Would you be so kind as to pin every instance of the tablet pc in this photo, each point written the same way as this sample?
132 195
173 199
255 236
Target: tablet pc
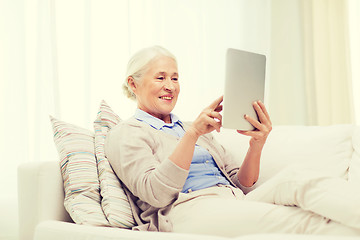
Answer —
244 84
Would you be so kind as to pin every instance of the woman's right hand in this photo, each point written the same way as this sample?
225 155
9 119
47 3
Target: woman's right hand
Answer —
209 119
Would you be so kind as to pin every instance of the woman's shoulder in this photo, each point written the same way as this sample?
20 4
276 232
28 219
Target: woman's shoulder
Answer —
130 131
131 127
130 124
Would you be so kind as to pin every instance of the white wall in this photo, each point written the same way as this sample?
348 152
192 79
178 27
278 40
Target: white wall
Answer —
287 90
354 27
13 117
198 33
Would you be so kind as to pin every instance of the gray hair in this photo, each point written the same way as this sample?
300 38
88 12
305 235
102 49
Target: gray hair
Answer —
138 64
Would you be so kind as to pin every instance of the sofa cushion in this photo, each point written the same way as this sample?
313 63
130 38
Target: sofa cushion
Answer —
314 191
114 200
326 148
79 172
354 169
56 230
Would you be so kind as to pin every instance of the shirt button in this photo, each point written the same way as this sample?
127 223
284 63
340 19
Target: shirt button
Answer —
207 161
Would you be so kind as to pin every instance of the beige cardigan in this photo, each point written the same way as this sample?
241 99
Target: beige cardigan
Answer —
139 155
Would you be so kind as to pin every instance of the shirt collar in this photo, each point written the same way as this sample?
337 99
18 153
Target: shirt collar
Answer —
155 122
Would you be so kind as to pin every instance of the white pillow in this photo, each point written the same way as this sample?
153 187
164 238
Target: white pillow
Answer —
78 168
354 169
334 198
114 201
327 148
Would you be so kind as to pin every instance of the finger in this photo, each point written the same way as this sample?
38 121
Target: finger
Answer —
263 107
242 132
254 122
211 120
216 103
216 115
211 124
253 134
215 121
247 133
219 108
215 124
261 115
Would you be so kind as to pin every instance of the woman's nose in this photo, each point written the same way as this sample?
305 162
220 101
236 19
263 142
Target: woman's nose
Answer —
169 85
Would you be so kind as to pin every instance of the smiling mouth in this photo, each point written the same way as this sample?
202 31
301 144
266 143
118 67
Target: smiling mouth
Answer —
166 98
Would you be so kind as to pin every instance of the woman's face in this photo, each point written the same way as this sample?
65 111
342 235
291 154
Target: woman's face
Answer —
158 91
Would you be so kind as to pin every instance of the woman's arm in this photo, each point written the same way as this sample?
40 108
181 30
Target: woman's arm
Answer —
208 120
142 164
249 171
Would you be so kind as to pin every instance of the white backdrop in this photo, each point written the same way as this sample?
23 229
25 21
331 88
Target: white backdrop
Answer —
354 31
96 41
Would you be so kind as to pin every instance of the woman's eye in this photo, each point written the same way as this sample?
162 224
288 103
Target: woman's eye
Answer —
160 78
174 79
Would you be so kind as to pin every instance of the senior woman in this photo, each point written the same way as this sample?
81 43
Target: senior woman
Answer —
177 177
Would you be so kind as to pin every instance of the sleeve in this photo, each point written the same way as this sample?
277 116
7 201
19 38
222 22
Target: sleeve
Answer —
230 165
232 168
151 177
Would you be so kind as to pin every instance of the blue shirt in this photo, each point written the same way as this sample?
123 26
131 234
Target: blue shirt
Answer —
203 171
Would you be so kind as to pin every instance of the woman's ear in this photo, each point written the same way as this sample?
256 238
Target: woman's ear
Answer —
132 84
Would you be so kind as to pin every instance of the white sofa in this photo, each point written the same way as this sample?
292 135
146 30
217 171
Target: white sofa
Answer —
335 148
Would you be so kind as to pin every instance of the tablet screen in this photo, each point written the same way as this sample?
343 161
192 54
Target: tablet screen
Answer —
244 84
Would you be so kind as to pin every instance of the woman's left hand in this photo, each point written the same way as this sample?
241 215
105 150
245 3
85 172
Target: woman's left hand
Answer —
263 125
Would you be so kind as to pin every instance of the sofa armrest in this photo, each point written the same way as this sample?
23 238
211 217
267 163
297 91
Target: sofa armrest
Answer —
41 196
56 230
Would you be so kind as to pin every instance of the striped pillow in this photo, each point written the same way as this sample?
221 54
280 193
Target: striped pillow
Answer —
114 201
78 169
